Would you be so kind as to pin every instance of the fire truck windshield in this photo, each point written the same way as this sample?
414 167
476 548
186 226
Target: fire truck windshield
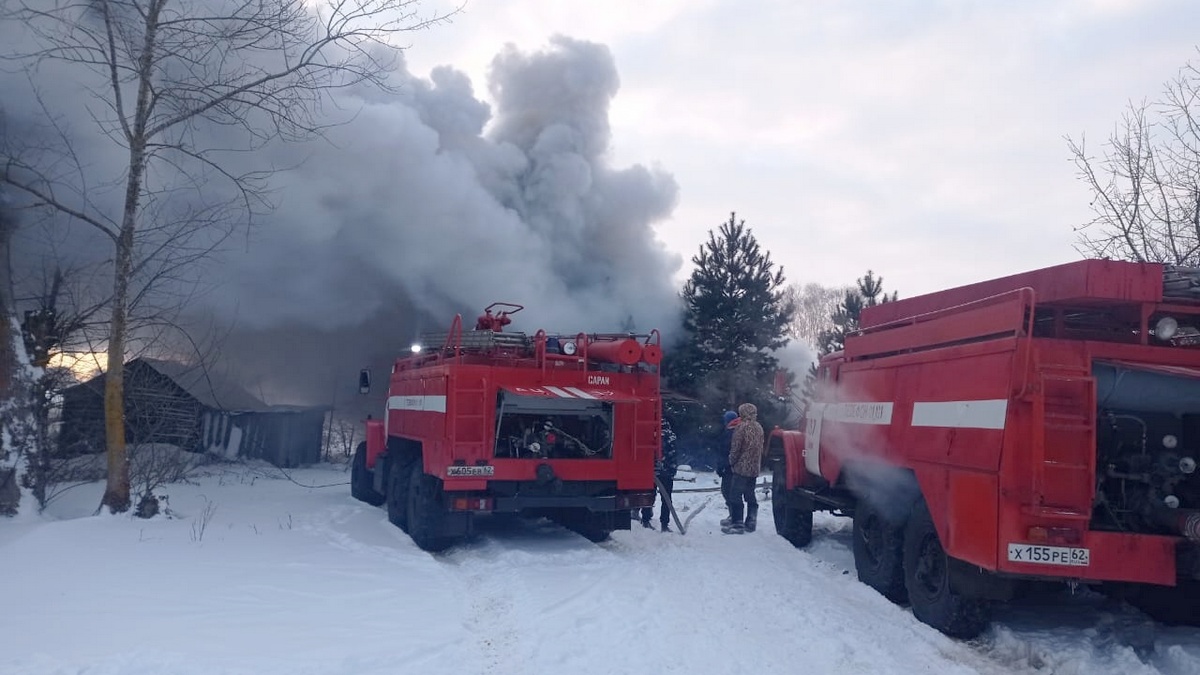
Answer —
538 427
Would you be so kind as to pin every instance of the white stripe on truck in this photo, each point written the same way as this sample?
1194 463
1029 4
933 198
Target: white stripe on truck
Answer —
987 414
875 412
983 414
423 403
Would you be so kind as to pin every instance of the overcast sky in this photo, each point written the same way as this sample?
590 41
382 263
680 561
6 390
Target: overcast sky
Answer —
921 139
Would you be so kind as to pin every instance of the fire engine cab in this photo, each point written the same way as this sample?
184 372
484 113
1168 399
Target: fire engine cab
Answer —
1040 427
485 421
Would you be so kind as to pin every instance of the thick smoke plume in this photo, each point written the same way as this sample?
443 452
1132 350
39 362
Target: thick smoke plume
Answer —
427 203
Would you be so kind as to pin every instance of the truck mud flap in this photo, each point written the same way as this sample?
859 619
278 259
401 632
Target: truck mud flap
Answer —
976 582
457 524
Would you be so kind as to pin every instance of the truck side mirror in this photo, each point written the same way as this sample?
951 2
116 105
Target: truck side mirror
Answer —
364 381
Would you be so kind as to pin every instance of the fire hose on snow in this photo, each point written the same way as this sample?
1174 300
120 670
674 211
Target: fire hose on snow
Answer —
666 497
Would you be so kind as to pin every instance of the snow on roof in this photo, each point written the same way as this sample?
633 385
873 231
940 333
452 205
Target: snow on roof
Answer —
208 386
211 388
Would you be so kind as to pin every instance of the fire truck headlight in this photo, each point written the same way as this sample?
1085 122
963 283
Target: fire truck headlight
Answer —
1166 328
1170 441
568 348
416 348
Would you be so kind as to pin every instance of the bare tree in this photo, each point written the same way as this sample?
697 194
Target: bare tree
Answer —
341 436
16 415
1146 183
183 86
814 304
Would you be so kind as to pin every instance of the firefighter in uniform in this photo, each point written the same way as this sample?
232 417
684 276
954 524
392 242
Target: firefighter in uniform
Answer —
664 471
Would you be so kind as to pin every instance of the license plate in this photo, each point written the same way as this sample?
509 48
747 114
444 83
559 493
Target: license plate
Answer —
1049 555
459 470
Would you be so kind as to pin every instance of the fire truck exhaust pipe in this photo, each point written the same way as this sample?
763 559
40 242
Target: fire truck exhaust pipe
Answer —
1189 525
1184 522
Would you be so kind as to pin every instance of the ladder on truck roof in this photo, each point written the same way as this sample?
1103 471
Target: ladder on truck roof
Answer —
476 341
620 352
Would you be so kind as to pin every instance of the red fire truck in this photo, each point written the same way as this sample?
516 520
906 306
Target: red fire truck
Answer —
1039 427
487 421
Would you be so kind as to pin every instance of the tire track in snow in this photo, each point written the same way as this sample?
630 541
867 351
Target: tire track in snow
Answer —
491 621
1057 634
534 586
528 591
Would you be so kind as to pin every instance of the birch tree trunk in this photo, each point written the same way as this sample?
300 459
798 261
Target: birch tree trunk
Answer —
262 67
116 491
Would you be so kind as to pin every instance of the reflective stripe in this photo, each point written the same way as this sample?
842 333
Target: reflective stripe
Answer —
558 392
579 392
422 403
873 412
986 414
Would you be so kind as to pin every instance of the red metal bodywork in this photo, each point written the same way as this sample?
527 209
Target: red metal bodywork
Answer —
986 394
446 401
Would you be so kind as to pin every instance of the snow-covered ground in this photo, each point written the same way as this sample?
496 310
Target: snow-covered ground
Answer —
257 574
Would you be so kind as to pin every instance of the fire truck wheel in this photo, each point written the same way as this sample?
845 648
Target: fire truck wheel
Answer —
397 493
927 577
425 512
793 514
360 478
879 552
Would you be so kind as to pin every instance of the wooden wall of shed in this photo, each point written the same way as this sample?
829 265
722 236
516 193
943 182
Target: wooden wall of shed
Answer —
156 411
284 438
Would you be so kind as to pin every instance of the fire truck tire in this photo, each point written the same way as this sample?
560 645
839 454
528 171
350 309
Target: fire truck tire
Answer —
397 493
793 514
927 578
425 512
879 552
360 478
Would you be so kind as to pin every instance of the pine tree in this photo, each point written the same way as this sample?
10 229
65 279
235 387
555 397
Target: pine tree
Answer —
868 292
736 315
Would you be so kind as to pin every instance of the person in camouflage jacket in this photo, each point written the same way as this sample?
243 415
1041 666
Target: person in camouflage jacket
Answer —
745 462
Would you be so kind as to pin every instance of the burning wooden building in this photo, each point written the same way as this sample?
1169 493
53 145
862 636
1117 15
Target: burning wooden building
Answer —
194 409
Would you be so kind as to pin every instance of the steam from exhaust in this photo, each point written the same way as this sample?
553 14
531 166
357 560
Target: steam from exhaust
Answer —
425 204
860 449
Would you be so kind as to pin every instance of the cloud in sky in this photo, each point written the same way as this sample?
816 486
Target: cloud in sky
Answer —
922 139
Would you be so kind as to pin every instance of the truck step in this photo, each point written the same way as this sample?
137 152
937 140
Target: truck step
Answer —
1055 512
